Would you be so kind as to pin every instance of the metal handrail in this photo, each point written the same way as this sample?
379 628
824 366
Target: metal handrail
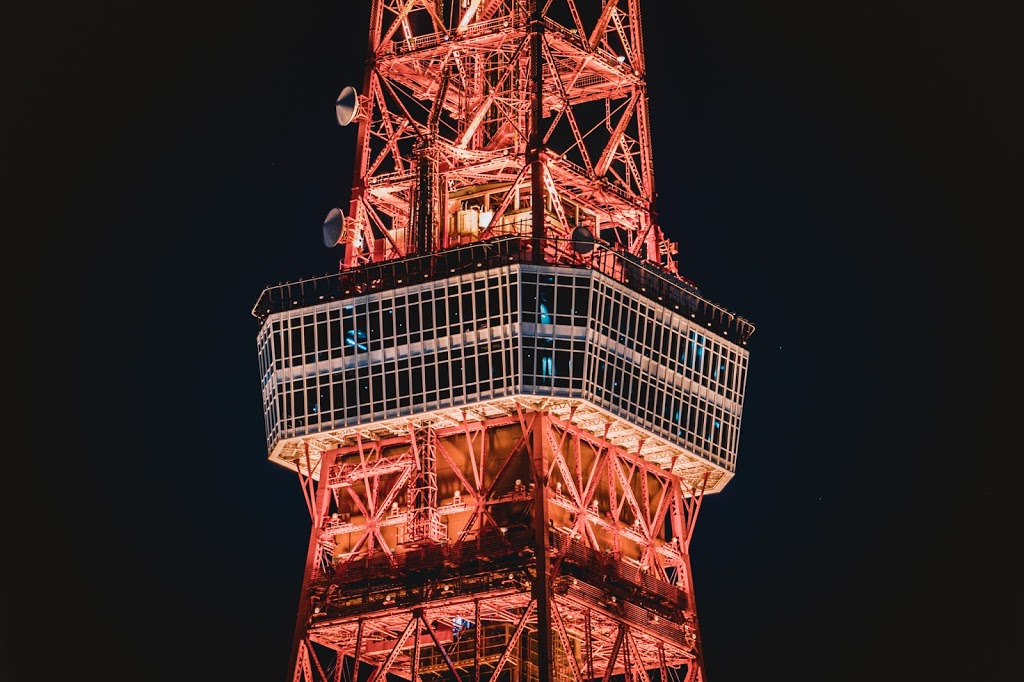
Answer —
637 274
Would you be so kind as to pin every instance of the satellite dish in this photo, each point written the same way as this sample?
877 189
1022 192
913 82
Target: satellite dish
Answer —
347 106
334 225
582 239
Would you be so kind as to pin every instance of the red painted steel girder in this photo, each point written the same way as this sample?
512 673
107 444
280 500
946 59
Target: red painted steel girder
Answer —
444 126
620 595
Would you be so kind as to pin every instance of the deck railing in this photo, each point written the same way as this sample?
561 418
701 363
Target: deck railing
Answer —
634 272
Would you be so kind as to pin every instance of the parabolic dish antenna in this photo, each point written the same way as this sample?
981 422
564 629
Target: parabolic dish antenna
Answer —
334 225
347 106
582 239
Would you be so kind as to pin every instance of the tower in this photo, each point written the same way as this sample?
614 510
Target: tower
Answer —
506 406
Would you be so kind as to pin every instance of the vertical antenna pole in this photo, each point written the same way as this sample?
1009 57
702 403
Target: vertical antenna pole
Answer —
534 152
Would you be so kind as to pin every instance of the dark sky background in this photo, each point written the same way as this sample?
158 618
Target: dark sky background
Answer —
846 175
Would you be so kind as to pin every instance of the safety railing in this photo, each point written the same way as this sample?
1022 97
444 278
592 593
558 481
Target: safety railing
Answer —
636 273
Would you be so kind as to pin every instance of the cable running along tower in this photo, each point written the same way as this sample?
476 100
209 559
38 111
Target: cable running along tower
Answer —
506 406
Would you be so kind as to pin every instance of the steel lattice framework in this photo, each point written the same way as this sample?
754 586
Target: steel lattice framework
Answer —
446 126
506 408
619 599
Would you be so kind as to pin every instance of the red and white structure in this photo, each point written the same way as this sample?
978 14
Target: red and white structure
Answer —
506 407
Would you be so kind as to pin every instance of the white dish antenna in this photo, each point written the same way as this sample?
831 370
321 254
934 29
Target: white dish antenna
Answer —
347 106
334 227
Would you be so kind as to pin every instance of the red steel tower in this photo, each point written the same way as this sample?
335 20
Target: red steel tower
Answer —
506 406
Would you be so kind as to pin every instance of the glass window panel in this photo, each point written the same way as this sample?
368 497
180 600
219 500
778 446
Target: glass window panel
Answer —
562 363
545 304
440 313
278 351
563 298
493 301
430 377
576 364
581 301
364 391
529 363
456 369
479 309
529 302
338 393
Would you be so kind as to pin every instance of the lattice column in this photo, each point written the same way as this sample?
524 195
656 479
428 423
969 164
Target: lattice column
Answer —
424 522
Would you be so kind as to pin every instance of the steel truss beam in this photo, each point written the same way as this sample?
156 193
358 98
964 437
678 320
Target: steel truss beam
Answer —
451 81
609 566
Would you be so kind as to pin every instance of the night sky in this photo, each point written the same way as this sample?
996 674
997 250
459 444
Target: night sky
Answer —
846 175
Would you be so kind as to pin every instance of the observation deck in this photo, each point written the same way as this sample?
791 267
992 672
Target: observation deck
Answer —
634 355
